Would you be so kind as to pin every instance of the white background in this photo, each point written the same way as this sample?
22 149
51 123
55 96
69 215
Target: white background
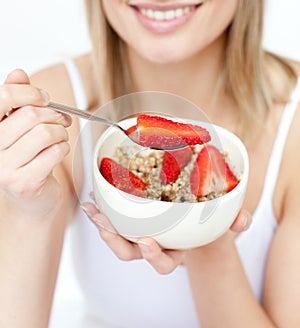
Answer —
35 33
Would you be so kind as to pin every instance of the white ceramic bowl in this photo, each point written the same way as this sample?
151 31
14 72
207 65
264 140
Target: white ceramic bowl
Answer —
172 225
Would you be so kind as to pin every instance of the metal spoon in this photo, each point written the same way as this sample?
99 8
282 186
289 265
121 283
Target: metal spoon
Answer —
92 117
84 114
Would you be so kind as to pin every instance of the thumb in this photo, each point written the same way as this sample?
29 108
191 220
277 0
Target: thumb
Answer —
17 76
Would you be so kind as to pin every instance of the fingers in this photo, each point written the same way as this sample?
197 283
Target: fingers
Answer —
163 261
17 76
29 180
242 221
34 142
13 96
123 249
46 160
28 161
17 92
90 209
24 119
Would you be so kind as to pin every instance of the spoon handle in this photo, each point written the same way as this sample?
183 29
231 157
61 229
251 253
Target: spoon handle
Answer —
80 113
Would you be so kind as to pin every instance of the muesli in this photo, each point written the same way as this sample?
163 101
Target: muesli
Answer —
194 173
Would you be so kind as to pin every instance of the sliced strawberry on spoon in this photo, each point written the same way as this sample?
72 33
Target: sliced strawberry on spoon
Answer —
211 173
161 133
122 178
173 162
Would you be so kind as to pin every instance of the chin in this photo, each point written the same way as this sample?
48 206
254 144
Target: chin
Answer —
166 58
165 55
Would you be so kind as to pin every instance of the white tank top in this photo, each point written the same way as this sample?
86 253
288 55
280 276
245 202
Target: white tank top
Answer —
131 294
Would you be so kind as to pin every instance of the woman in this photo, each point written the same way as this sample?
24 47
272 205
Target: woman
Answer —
210 53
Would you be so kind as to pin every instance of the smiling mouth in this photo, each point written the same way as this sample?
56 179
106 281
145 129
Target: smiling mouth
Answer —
165 14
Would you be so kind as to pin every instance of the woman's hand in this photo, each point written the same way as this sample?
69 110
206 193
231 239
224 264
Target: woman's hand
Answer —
33 140
163 261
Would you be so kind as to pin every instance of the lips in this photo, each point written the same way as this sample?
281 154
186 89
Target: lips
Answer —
164 18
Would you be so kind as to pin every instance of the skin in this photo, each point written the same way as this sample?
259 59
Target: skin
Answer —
37 197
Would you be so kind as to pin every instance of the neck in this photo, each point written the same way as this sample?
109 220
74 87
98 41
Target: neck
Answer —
197 78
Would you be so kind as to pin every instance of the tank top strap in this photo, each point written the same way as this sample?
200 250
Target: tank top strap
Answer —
279 144
85 139
77 84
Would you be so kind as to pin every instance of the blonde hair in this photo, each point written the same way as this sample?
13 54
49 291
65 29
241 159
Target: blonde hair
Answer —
245 78
246 63
108 54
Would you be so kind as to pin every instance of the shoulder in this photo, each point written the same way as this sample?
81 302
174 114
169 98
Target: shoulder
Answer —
291 163
294 132
282 74
55 80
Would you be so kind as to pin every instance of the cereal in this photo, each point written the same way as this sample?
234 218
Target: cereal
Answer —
147 166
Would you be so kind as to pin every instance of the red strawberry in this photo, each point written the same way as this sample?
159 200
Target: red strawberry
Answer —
122 178
211 173
173 162
161 133
132 130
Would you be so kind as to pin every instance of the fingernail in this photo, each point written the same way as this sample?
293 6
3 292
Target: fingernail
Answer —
86 210
101 224
63 119
91 195
247 219
45 96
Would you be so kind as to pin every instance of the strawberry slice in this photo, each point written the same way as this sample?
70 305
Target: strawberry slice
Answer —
173 162
161 133
211 173
122 178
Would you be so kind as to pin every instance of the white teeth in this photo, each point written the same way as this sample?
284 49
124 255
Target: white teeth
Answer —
179 12
160 15
170 14
150 13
